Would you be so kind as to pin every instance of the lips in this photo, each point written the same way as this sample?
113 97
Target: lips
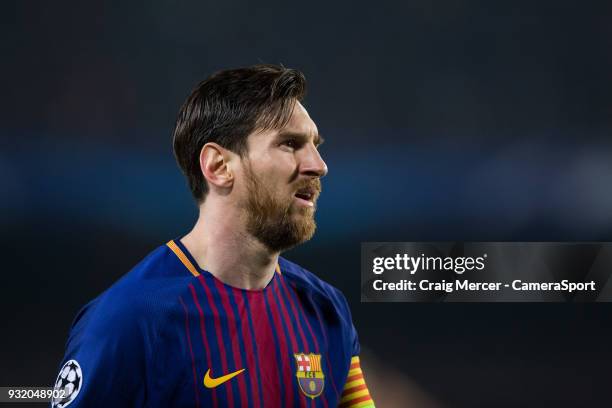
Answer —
305 194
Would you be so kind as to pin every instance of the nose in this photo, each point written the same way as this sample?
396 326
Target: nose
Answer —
312 163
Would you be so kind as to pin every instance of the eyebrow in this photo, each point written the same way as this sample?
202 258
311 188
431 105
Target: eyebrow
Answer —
318 139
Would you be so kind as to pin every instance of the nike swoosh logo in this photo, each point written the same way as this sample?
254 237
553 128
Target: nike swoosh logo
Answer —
210 382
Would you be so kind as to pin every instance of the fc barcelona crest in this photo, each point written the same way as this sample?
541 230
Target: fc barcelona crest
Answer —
309 373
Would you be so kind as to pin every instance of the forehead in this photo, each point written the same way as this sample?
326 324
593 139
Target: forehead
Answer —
299 123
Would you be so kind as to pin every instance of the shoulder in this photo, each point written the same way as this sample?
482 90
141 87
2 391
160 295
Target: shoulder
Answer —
330 301
137 302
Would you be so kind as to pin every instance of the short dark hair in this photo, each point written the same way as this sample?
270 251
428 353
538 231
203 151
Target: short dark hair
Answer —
228 106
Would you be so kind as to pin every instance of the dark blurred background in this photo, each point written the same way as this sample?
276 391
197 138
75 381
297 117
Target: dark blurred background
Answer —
443 120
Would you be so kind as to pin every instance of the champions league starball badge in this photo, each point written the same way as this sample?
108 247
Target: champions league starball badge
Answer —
310 374
69 380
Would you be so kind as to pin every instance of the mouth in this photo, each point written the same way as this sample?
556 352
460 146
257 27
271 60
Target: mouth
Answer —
305 197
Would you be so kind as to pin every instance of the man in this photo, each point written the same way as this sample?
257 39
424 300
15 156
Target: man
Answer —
218 318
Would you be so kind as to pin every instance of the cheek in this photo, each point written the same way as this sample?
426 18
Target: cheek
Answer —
241 183
281 171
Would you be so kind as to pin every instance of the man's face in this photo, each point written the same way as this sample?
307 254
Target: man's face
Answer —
281 172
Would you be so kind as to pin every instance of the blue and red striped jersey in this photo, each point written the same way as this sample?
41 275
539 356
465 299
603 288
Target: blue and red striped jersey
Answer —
169 334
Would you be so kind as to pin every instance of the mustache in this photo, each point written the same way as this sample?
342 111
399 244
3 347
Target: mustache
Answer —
314 185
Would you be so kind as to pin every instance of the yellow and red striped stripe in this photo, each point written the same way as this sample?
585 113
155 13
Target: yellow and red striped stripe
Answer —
355 393
315 362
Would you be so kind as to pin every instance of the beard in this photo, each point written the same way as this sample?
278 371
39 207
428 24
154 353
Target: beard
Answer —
273 220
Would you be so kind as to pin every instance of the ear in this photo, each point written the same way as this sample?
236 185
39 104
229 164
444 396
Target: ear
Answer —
214 161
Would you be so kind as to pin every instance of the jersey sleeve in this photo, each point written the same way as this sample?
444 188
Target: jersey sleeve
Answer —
104 363
355 393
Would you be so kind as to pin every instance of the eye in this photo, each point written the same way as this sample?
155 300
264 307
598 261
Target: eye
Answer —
290 143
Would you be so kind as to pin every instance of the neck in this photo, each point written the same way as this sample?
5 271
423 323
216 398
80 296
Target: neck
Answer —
221 245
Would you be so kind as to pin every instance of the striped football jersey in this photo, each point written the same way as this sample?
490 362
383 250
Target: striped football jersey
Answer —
169 334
